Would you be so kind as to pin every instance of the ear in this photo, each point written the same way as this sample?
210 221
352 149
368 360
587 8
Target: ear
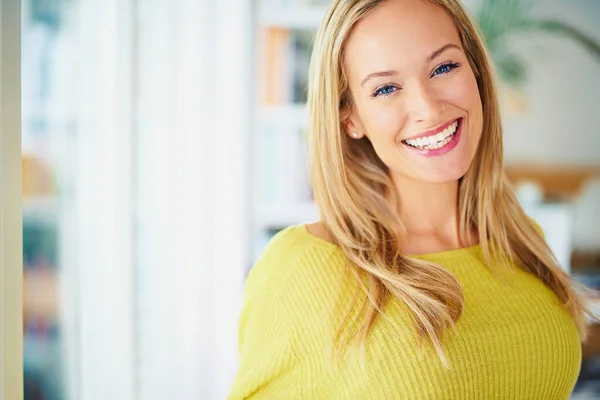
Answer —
353 126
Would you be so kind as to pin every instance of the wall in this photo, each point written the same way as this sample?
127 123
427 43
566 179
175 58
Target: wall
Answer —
559 122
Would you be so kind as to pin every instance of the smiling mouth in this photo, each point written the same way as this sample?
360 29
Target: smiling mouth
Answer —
436 141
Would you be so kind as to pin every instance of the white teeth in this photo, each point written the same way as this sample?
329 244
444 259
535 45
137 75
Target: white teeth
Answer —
436 141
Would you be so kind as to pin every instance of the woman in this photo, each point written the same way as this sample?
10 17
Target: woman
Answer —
424 278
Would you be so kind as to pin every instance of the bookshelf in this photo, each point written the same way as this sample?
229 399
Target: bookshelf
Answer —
44 119
284 34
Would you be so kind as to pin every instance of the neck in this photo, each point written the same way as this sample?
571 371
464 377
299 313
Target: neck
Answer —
429 210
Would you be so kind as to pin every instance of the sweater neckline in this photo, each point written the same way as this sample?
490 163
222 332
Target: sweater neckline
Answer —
444 254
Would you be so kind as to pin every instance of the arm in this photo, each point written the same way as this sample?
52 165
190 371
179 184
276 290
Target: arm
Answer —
269 368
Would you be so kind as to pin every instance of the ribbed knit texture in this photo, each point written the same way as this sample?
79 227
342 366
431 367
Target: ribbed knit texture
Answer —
514 340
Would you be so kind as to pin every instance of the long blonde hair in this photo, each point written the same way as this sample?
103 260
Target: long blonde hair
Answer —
352 190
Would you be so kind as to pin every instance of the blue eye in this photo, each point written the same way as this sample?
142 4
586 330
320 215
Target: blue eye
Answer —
445 68
385 90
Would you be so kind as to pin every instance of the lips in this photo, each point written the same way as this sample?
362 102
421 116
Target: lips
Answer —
435 144
434 139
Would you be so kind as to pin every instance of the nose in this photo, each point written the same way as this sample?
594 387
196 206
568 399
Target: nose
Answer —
425 105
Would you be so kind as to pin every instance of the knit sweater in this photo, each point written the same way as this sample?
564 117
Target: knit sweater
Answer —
514 339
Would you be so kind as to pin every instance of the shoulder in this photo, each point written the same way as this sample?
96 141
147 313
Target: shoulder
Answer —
301 280
292 254
299 270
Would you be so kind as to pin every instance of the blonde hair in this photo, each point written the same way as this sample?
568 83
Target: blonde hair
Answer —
352 189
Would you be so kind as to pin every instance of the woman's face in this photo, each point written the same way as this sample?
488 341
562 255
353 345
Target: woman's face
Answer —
415 95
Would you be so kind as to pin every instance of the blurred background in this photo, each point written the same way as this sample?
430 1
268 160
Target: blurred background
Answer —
163 145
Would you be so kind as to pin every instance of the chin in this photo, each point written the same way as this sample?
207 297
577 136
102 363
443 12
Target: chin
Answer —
444 174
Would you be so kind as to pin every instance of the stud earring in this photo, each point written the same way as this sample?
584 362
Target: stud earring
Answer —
355 135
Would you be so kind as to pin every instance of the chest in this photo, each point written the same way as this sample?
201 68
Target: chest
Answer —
513 341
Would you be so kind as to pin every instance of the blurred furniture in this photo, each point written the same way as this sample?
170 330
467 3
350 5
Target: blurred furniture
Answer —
561 183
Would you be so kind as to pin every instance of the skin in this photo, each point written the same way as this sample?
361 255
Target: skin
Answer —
427 83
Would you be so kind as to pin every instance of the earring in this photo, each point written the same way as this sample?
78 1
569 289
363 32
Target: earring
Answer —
355 135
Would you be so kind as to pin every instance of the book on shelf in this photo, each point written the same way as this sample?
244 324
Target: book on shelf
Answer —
284 64
38 179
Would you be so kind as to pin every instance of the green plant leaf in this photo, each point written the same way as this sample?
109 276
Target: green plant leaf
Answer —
499 19
569 31
510 68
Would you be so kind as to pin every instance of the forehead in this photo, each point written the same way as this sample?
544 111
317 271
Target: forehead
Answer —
399 32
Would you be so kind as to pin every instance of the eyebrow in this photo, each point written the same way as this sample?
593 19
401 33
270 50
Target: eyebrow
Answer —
442 49
430 58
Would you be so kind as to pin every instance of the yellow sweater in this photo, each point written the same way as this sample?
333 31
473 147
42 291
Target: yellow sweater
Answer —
514 340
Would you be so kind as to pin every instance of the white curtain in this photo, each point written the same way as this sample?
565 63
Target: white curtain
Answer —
157 243
97 242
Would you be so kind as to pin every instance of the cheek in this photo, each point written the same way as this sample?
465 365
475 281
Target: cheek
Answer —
383 122
465 94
